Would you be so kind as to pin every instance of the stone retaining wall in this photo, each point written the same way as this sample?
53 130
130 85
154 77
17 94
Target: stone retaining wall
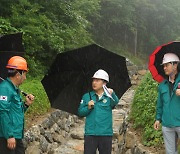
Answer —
51 133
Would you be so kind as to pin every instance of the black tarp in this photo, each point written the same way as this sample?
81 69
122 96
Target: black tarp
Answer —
10 45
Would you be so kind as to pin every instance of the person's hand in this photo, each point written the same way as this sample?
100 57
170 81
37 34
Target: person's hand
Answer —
29 99
110 90
156 124
178 92
91 104
11 143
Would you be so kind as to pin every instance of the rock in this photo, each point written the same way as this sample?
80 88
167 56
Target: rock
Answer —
76 119
52 147
67 128
33 148
128 151
47 123
56 115
122 128
35 130
78 132
79 136
64 149
48 136
115 145
121 138
77 145
42 130
133 82
135 77
61 123
70 121
64 115
58 138
43 144
55 128
128 97
130 140
29 137
64 134
142 72
128 62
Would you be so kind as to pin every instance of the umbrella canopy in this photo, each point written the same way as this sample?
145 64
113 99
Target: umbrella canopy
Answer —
10 45
70 75
155 59
11 42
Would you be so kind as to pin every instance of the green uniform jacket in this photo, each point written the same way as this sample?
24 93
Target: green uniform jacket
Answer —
98 119
168 104
11 111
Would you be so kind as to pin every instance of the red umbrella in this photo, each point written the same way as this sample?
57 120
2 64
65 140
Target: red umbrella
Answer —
155 59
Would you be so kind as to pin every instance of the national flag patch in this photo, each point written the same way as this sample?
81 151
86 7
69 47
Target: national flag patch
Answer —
3 98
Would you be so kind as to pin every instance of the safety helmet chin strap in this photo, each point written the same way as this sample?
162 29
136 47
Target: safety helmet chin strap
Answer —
1 78
21 74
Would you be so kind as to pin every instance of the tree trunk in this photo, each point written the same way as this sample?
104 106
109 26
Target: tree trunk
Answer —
135 42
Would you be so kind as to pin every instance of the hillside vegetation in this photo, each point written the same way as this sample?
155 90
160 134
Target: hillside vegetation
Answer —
143 112
51 27
41 104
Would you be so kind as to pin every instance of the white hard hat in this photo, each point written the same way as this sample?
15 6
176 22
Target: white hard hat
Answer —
101 74
170 57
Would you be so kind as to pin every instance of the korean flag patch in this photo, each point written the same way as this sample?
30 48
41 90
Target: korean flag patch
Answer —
3 98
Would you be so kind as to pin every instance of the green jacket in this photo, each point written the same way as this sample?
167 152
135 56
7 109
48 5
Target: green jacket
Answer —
99 119
168 104
11 111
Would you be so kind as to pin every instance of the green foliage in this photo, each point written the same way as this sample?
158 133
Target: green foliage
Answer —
41 103
139 60
48 27
147 22
143 111
55 26
5 27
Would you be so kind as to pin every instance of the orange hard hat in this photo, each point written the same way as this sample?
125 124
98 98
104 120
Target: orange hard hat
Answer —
17 62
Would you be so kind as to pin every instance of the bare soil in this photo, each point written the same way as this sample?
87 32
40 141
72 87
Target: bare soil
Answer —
153 149
31 120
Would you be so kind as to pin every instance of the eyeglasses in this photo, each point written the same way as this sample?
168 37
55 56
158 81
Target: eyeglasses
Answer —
167 64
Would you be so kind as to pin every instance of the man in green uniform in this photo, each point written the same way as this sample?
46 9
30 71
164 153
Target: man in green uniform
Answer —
12 107
168 104
97 107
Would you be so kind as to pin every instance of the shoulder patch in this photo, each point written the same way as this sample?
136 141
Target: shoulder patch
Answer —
81 101
3 98
104 100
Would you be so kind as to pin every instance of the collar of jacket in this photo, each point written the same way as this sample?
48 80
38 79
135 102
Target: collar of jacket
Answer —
12 85
177 80
92 93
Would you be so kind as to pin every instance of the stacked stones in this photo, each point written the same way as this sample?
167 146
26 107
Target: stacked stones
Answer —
50 133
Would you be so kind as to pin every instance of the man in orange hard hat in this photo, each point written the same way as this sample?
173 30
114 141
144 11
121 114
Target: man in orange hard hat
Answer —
12 108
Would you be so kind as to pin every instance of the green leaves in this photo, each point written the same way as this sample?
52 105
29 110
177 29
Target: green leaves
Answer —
49 27
41 103
143 111
6 27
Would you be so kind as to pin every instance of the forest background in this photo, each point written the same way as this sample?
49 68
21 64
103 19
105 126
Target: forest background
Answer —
132 28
